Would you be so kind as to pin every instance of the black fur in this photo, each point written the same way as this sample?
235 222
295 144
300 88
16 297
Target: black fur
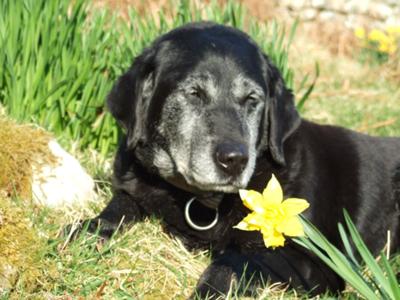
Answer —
333 168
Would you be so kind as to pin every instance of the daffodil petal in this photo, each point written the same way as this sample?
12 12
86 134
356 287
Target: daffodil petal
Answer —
294 206
360 32
249 223
257 220
254 221
273 239
245 226
252 200
291 227
273 193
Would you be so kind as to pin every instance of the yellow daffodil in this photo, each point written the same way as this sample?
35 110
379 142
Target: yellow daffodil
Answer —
377 35
393 30
272 215
382 41
360 33
388 47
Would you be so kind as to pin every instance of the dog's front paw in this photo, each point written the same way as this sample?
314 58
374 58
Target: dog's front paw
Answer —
101 227
215 283
207 292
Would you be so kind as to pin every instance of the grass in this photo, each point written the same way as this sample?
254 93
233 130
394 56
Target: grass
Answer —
357 96
116 269
369 105
143 262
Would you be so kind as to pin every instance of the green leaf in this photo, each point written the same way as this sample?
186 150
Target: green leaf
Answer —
367 256
336 260
394 284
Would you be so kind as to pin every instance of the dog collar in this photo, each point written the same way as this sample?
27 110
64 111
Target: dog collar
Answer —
192 224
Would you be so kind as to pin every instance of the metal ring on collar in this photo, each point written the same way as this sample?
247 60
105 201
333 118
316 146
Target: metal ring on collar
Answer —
195 226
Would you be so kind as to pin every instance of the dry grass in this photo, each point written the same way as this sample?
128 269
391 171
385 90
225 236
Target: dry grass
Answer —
23 147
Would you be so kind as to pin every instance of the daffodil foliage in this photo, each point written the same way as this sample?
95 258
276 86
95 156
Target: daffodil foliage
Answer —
273 216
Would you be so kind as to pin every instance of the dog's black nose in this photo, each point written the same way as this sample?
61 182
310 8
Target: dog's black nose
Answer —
231 157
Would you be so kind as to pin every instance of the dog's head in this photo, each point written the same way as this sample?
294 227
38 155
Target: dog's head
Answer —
201 104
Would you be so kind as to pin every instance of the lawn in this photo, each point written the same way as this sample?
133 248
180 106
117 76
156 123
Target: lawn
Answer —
66 92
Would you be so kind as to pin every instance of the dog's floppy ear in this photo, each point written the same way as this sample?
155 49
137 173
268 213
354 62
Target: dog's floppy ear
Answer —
281 118
129 98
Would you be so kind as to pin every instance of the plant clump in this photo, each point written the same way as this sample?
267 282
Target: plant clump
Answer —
22 148
21 249
381 44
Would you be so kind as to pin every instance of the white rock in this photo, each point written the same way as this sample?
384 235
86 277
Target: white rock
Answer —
393 2
309 14
318 3
63 184
296 4
394 20
381 10
337 5
328 16
356 6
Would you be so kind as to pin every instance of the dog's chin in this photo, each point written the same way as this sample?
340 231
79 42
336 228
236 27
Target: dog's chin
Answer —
200 188
229 189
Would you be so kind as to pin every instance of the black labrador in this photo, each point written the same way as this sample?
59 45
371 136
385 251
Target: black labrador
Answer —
206 113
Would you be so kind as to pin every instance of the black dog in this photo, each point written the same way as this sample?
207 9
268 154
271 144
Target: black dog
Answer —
205 114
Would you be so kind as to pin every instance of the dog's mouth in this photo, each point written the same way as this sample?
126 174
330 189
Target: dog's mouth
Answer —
197 187
210 195
211 200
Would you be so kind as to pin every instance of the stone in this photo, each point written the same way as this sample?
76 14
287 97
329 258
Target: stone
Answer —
327 16
357 7
393 20
336 5
309 14
353 13
296 4
63 184
392 2
381 11
319 3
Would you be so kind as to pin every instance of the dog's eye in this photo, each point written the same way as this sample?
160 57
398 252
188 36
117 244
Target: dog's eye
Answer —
198 93
195 93
251 99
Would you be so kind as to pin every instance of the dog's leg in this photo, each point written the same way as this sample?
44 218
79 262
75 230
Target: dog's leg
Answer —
121 210
288 266
215 282
228 270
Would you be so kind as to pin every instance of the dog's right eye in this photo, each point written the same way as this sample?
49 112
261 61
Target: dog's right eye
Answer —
251 100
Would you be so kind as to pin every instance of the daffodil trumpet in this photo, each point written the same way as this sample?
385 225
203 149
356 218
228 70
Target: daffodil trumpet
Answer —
274 217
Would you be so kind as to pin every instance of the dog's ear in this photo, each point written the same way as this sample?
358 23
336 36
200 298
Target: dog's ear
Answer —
129 98
281 118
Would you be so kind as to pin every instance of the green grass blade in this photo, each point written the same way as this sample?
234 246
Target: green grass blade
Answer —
336 260
306 95
367 256
393 282
347 245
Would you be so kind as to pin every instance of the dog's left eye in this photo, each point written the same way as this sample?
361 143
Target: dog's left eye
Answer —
198 94
195 93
